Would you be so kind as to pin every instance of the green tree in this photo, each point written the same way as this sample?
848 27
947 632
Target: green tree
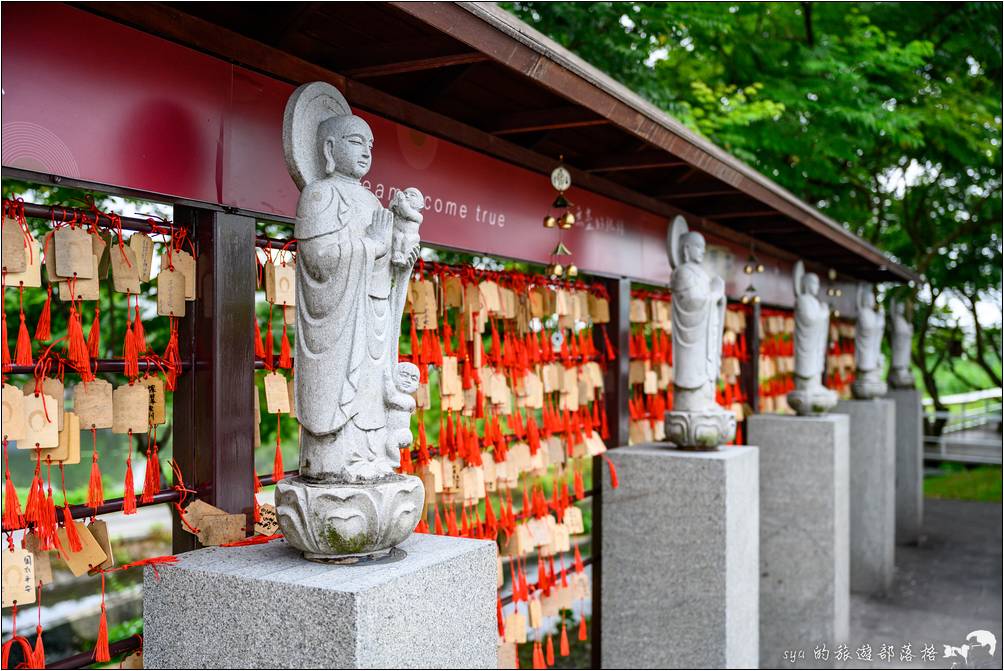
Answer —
887 116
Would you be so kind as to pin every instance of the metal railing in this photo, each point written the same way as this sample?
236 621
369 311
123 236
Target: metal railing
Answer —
969 431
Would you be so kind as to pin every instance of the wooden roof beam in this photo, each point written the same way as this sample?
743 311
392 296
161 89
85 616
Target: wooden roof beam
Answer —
741 215
677 195
416 65
529 121
642 160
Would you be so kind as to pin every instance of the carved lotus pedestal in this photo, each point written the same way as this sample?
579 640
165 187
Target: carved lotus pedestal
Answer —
700 429
334 521
811 398
869 385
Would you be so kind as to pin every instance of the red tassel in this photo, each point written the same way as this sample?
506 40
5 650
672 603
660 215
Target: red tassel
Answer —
563 648
95 488
38 654
285 357
94 336
613 472
22 354
259 349
583 633
129 354
439 523
12 517
171 356
3 335
43 330
277 469
138 332
580 489
77 349
101 653
422 527
129 495
538 656
71 531
151 479
47 529
34 506
550 650
269 345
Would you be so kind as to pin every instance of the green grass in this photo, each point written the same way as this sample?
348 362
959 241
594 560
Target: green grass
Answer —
982 483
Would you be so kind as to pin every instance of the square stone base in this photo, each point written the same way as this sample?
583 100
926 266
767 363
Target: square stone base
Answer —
264 606
804 532
679 549
873 493
909 465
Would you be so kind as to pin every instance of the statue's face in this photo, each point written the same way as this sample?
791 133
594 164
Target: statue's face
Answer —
407 377
811 284
347 146
693 248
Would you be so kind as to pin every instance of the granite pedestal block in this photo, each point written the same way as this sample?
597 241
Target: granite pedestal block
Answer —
264 606
804 532
680 535
873 493
909 465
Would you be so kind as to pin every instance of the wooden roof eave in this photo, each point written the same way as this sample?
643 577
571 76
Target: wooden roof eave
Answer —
553 66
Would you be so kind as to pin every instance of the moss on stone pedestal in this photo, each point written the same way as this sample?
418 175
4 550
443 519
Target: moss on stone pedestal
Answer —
341 545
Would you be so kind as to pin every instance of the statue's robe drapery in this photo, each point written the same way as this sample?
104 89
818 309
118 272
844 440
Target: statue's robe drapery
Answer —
902 341
812 322
698 319
868 339
348 306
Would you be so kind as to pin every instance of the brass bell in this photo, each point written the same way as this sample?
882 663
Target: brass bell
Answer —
748 269
836 313
557 270
567 220
550 222
573 270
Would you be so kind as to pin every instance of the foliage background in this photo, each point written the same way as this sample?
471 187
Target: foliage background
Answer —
885 116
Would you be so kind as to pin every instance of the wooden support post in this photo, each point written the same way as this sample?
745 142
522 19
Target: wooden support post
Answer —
751 380
213 402
615 397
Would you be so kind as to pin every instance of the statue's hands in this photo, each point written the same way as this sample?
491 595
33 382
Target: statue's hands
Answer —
383 221
380 230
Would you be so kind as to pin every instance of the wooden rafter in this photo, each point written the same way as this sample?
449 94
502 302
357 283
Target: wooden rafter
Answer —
642 160
529 121
416 65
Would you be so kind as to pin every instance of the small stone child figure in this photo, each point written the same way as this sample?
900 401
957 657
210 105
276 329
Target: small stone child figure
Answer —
399 387
407 208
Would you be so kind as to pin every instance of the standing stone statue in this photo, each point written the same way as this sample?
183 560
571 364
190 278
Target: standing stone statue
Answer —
696 421
352 394
812 328
900 375
868 357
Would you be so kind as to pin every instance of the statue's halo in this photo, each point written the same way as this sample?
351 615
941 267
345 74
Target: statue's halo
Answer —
309 106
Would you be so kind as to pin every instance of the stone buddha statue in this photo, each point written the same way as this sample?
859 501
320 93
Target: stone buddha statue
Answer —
812 326
349 387
698 318
900 374
868 358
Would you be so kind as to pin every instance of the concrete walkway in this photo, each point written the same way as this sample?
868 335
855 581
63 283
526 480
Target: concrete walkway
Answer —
947 586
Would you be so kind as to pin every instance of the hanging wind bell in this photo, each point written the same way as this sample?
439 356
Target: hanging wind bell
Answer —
561 180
